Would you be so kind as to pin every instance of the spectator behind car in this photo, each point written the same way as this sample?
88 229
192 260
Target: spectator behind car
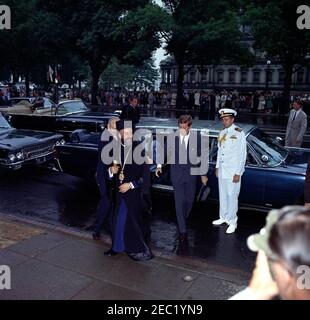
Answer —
283 262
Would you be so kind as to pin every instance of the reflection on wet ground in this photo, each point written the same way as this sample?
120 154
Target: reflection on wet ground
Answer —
57 198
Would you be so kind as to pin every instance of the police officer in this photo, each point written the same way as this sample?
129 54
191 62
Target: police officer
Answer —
231 158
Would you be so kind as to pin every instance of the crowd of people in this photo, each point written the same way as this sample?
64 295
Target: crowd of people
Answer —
201 100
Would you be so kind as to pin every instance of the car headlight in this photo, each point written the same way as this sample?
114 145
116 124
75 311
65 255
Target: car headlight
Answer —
12 157
19 156
60 143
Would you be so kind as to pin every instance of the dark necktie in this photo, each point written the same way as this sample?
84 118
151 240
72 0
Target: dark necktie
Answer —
294 116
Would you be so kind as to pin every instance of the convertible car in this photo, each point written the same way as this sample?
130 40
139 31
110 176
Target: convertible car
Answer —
19 148
64 118
274 175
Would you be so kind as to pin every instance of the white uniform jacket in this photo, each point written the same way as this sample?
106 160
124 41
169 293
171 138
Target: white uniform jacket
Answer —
232 152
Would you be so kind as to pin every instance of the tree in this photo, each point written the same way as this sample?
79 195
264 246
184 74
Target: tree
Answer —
100 30
201 32
33 40
130 76
273 25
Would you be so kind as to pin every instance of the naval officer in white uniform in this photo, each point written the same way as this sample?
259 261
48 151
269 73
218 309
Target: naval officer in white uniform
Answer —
231 158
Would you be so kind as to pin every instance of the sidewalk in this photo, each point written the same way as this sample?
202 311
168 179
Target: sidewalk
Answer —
49 264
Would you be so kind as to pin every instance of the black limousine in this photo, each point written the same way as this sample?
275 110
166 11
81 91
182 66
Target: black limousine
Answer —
19 148
64 117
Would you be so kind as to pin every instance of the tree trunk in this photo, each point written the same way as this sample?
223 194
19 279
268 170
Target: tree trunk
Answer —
288 67
180 84
95 73
27 83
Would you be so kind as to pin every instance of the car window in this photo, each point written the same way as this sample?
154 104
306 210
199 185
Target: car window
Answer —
69 107
213 149
250 160
3 123
267 148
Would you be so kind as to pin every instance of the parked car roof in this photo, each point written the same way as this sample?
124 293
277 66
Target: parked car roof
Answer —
213 126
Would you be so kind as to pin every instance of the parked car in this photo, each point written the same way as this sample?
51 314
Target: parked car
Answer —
19 148
274 175
64 118
48 103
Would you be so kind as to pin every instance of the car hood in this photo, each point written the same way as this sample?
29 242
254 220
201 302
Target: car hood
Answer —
16 139
90 114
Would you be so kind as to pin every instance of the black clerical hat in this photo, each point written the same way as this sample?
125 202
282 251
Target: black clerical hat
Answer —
122 124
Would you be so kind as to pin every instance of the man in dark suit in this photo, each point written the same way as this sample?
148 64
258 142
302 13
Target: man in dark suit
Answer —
131 112
105 185
183 181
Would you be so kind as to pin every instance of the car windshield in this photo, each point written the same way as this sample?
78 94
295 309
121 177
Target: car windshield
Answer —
264 145
3 123
72 106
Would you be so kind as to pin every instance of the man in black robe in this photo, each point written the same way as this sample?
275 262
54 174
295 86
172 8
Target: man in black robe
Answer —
128 231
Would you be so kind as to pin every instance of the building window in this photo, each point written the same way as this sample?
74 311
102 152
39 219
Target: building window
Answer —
220 75
281 76
256 76
300 76
192 77
232 76
204 75
244 76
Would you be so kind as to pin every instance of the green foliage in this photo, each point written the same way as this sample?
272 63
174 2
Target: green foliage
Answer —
202 32
274 29
129 76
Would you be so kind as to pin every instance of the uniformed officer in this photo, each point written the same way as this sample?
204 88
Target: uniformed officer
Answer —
231 157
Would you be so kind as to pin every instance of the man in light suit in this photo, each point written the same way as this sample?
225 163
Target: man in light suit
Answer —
296 126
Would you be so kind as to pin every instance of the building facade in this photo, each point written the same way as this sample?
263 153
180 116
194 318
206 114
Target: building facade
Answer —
264 75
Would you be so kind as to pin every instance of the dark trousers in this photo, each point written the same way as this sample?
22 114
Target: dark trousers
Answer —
104 211
184 196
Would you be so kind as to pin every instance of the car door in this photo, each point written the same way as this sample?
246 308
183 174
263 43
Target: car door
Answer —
80 159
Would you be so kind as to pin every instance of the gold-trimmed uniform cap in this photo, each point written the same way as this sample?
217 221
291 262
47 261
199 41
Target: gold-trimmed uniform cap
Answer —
227 113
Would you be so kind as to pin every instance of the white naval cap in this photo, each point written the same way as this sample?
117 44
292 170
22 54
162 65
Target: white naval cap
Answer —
227 112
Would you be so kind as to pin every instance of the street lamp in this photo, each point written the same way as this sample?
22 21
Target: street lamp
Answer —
268 62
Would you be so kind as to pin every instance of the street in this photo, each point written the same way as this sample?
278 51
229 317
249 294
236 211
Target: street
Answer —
41 194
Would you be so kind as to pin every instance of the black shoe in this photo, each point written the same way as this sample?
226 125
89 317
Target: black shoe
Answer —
183 237
96 236
110 253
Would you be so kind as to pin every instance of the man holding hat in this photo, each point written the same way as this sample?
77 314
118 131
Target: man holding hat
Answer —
231 158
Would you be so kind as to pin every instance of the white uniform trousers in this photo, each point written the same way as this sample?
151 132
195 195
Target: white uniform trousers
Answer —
229 193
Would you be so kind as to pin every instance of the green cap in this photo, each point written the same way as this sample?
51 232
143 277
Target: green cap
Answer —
260 241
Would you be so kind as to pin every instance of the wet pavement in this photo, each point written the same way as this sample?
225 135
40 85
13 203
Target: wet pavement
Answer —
45 195
57 265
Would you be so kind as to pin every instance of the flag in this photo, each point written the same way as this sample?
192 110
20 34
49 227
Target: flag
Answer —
57 76
50 73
